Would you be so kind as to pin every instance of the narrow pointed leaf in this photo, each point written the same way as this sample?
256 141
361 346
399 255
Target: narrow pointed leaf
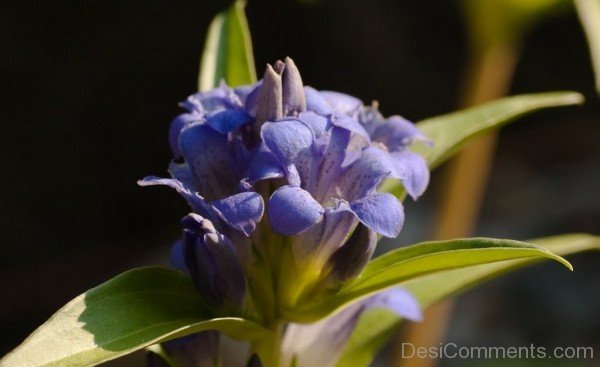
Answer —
399 266
370 336
450 132
129 312
589 14
430 289
228 50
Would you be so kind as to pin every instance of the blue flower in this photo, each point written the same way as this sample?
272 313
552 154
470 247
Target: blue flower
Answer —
316 158
333 157
211 159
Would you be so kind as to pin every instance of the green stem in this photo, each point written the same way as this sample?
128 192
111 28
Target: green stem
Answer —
269 349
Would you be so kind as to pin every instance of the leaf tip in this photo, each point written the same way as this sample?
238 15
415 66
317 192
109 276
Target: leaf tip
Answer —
576 98
561 260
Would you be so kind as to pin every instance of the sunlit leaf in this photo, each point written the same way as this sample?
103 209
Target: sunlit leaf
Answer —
401 265
129 312
228 50
369 336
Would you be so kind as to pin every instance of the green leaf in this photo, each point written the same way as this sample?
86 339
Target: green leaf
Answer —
228 50
370 336
450 132
589 14
129 312
403 264
431 289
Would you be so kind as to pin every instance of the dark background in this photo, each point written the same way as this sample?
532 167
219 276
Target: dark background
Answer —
88 90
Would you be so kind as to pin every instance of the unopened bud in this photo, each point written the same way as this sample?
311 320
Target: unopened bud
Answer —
294 100
270 105
350 259
213 265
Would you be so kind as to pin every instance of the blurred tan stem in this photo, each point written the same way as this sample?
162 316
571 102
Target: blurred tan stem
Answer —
488 77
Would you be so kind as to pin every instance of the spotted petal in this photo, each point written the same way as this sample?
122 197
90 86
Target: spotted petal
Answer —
206 152
364 175
352 125
414 172
396 133
381 212
287 138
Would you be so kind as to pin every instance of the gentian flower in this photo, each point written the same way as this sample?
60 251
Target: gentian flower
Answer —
311 163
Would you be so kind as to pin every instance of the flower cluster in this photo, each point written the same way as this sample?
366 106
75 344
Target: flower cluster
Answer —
280 164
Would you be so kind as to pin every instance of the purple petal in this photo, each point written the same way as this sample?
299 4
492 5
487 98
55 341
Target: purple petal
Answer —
352 125
177 260
317 123
414 172
221 97
193 103
264 165
383 213
396 133
363 176
226 121
329 165
292 210
243 91
398 300
182 173
316 102
241 211
206 151
194 200
342 103
287 138
321 343
252 97
325 237
177 125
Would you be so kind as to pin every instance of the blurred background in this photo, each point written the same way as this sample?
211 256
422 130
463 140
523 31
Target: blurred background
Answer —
88 90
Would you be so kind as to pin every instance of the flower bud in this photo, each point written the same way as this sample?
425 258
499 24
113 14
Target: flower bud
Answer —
213 264
270 103
350 259
294 99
